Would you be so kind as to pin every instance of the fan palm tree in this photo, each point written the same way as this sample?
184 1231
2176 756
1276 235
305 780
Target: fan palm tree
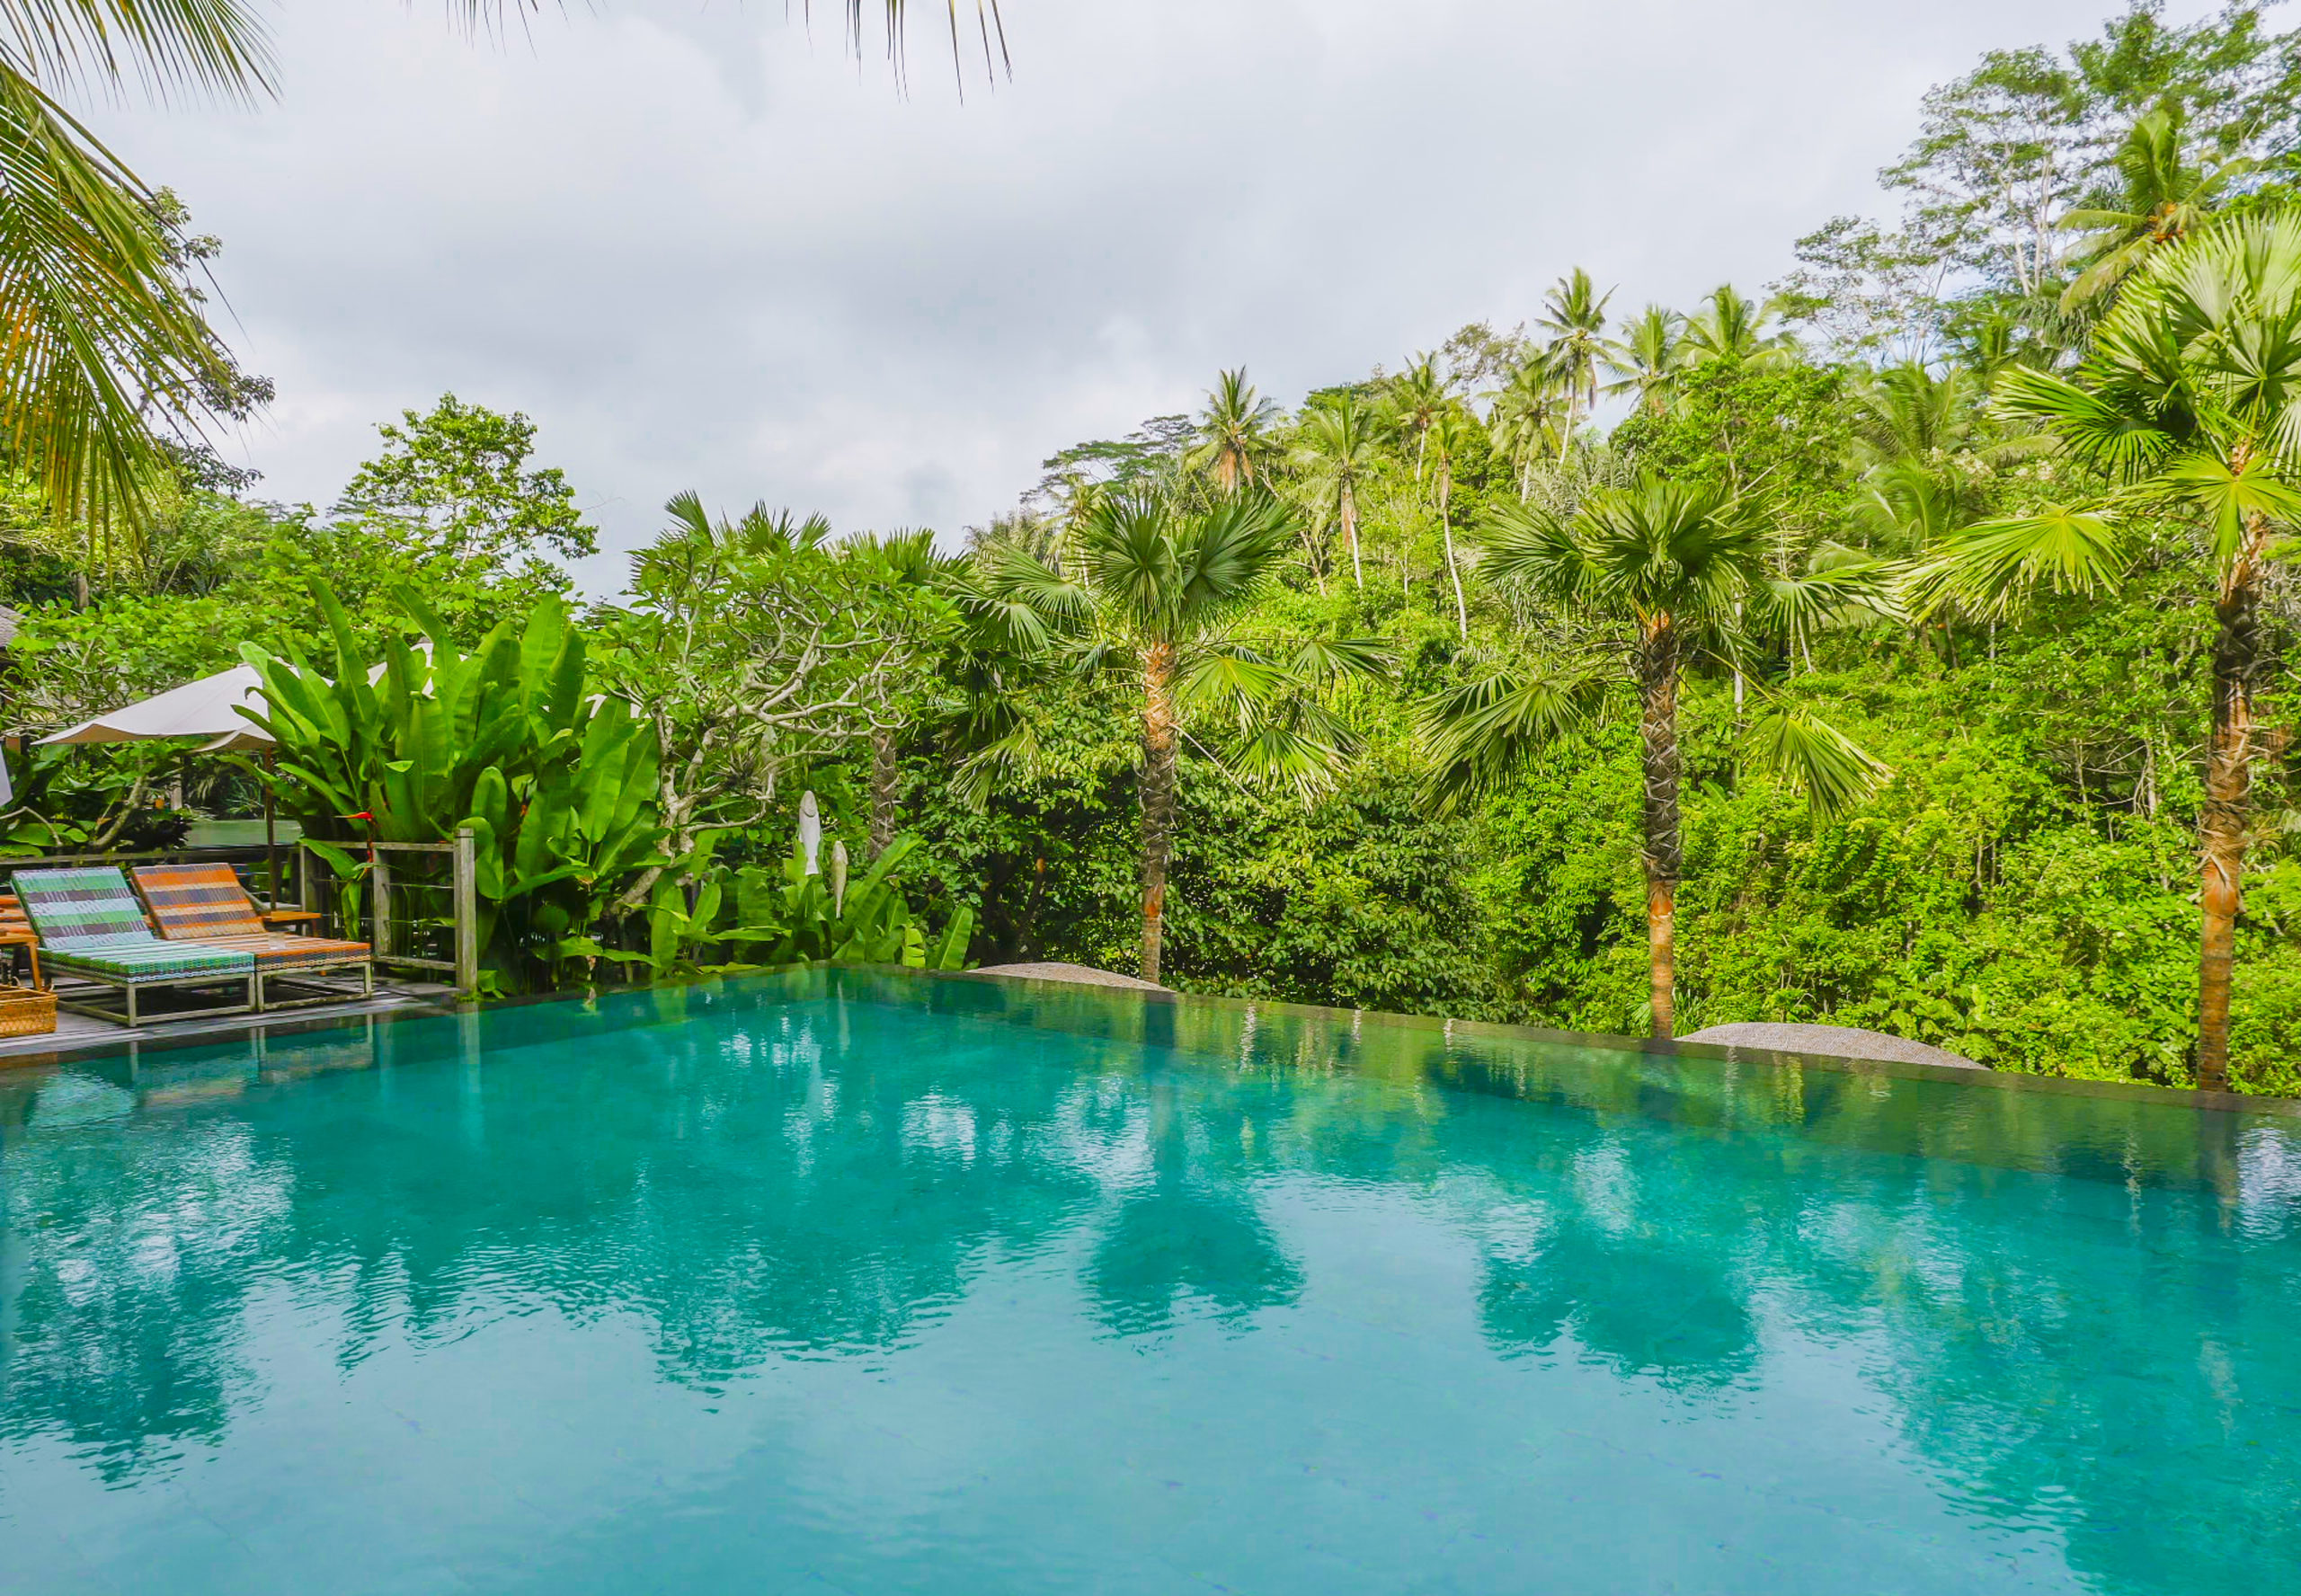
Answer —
2190 400
1338 449
1454 432
1731 327
1664 575
2166 197
1573 313
1164 594
108 359
1650 358
1234 433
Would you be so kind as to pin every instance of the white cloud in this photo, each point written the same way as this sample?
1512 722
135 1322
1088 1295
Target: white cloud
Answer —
702 251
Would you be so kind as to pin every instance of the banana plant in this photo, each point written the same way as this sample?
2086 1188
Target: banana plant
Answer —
791 914
557 781
870 923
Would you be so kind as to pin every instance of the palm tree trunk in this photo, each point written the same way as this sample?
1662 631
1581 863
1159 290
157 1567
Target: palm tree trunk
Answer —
883 789
2237 657
1657 726
1446 527
1350 535
1161 740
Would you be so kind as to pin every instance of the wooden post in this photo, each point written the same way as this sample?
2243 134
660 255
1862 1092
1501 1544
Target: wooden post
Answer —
379 871
271 830
467 917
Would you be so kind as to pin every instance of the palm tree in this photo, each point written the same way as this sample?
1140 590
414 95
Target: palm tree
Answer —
1454 430
1234 432
1650 358
1164 594
2190 400
1664 574
107 355
1573 313
2165 198
108 367
1526 419
1416 396
1338 448
1730 327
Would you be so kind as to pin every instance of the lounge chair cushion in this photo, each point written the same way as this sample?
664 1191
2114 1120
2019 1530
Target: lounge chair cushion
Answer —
148 961
89 906
198 902
275 951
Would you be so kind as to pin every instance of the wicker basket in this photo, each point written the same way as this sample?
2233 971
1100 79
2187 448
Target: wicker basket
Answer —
25 1012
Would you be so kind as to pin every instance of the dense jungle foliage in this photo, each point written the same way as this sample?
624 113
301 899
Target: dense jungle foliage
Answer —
1363 701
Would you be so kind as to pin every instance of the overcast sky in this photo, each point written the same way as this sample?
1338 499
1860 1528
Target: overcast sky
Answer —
702 250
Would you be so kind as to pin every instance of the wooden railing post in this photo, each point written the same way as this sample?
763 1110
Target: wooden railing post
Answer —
379 872
467 917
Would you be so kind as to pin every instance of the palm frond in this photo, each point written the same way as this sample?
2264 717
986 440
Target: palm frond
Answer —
1841 587
1479 735
1018 599
1824 764
1331 659
1993 567
1530 545
101 339
1297 745
218 46
2098 429
1233 675
2228 500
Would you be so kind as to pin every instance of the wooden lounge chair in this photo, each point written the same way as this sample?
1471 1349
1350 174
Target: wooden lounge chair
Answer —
205 903
17 932
91 925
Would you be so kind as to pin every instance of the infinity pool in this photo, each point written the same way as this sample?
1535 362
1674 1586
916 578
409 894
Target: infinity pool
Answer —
861 1282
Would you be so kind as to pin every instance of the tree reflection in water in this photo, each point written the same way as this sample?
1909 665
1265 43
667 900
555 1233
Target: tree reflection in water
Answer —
2076 1311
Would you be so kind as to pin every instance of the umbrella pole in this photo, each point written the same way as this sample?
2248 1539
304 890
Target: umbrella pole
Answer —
271 831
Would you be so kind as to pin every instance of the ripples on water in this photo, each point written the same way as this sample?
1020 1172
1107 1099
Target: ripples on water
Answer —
877 1283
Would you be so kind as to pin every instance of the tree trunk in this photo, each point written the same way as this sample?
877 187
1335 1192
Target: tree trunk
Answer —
2237 658
1350 535
883 789
1446 527
1664 859
1160 743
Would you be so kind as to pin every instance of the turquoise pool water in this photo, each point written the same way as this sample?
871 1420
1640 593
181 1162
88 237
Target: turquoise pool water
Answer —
872 1284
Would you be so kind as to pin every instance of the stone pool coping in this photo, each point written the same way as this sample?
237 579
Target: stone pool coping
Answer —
223 1030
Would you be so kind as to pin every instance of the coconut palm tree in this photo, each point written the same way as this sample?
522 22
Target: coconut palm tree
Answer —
1415 397
1234 433
1573 313
1526 420
1662 575
2166 197
1454 433
1730 327
108 367
107 357
2189 399
1650 358
1338 448
1165 593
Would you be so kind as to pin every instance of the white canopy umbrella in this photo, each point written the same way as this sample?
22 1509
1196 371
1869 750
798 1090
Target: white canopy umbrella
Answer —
208 709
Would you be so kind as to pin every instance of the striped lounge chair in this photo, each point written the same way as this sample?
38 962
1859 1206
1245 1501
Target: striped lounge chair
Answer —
91 925
205 903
